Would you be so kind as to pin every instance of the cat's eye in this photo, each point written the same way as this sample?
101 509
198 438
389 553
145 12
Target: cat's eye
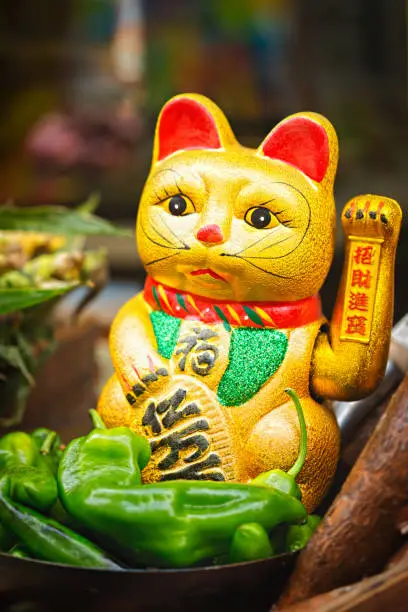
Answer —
260 217
179 206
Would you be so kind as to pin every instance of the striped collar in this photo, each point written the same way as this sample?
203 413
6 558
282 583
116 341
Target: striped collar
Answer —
277 315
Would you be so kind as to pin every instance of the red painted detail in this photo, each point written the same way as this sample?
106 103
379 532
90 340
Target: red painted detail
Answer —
136 370
126 382
210 233
302 143
285 315
380 207
209 272
151 363
186 124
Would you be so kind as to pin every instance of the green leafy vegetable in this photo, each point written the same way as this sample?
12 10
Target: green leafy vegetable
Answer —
12 300
58 220
13 356
42 258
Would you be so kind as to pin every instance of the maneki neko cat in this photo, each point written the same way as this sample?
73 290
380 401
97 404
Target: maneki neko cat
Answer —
237 244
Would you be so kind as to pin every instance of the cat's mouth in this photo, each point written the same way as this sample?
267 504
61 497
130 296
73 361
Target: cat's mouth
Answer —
208 272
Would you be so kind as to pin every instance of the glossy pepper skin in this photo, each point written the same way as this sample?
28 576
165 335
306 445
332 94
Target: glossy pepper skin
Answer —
167 524
106 456
45 539
49 445
249 543
297 536
42 435
18 448
32 481
32 487
18 551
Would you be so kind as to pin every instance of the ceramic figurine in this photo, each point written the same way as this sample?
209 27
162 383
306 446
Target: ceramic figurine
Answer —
237 244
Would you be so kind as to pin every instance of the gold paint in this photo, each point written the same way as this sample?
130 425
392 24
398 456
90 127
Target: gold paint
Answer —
192 302
344 369
164 298
288 262
233 314
264 315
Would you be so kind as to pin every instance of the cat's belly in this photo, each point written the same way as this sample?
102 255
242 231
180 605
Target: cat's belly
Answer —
221 385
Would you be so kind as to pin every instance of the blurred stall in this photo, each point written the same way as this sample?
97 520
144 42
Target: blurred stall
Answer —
83 83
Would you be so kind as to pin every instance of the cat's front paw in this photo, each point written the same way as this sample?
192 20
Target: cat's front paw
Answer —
139 383
372 216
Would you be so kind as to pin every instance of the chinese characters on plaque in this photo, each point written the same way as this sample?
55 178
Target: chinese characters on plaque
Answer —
360 289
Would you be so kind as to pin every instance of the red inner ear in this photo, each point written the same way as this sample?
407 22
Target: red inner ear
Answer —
186 124
302 143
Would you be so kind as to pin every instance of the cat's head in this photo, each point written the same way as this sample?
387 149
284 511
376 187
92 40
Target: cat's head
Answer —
223 221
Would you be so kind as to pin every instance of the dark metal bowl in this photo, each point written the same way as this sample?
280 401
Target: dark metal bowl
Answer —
32 586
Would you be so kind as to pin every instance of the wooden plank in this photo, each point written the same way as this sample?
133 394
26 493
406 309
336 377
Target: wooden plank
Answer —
384 592
360 530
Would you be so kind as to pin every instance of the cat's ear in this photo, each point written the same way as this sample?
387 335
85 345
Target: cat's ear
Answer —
190 121
307 141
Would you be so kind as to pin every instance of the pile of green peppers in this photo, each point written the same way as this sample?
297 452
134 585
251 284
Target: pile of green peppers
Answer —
85 505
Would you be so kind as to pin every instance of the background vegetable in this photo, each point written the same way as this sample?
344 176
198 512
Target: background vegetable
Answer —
42 258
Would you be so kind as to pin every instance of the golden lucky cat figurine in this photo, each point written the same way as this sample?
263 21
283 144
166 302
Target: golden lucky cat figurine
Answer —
237 244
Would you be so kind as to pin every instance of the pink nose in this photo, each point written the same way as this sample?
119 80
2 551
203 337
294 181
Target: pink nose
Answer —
210 233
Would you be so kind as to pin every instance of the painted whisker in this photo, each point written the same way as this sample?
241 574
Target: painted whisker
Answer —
185 247
256 242
164 237
269 246
150 263
246 259
173 233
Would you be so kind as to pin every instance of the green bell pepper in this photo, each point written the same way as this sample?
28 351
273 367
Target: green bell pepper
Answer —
297 536
49 445
32 487
166 524
18 448
42 435
32 481
249 543
18 551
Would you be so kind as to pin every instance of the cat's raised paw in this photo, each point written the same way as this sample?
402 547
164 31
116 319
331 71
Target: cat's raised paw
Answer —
372 216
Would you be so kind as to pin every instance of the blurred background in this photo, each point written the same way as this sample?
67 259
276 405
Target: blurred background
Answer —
84 80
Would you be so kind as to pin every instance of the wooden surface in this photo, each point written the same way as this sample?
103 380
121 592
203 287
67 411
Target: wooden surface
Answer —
387 592
360 531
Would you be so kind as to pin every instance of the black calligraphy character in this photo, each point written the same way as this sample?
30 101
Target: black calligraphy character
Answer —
204 354
161 419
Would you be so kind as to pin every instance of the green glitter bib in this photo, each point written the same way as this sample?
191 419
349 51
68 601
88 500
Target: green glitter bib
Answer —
166 329
254 356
